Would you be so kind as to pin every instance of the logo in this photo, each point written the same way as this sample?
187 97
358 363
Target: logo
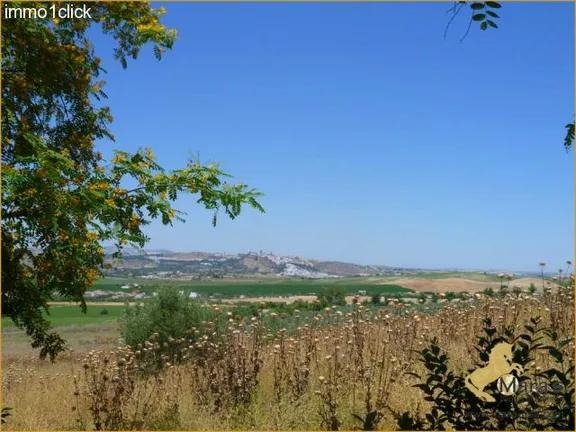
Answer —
508 384
499 367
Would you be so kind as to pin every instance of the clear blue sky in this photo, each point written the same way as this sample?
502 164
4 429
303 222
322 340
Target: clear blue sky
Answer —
375 140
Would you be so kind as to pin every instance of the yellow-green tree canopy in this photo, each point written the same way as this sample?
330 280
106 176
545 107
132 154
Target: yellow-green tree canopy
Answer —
60 199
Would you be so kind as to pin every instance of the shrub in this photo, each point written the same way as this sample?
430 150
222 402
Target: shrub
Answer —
332 296
169 314
113 394
104 311
489 292
454 406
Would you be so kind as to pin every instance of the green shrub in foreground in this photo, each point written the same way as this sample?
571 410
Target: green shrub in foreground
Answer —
169 314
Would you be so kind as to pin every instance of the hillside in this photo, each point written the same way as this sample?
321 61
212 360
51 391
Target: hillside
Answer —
181 264
195 265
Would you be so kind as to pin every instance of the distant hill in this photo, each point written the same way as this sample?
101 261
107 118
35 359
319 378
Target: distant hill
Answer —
164 262
345 269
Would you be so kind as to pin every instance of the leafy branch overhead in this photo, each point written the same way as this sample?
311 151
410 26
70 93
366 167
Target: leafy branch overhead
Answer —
60 198
485 14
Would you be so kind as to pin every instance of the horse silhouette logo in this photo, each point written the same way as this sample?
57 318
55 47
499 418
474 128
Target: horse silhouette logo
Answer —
500 364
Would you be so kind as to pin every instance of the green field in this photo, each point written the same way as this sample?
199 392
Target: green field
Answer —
72 315
257 287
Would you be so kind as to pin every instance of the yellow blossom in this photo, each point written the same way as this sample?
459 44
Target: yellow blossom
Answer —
135 221
91 236
118 159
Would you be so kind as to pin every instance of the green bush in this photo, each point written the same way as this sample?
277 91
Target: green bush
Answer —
169 314
332 296
455 408
489 292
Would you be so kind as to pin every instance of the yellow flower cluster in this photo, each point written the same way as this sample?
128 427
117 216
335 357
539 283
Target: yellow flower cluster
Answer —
91 236
118 158
99 186
110 203
135 221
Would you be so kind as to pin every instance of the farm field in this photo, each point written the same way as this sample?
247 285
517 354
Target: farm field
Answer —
275 286
256 286
292 289
459 284
72 315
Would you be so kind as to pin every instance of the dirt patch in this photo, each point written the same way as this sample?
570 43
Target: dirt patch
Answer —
525 282
457 285
445 285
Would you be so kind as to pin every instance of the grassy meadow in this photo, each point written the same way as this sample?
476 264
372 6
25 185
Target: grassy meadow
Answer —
60 316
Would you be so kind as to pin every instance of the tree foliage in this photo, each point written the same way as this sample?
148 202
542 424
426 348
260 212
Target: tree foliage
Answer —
170 314
60 199
332 296
484 13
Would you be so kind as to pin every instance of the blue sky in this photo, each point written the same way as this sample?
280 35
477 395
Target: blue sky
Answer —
375 140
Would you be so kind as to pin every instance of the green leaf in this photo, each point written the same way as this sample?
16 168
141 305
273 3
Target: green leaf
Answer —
479 17
493 14
477 6
484 25
492 23
493 5
569 138
556 354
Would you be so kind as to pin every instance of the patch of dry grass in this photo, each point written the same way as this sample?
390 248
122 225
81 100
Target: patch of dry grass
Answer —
338 371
